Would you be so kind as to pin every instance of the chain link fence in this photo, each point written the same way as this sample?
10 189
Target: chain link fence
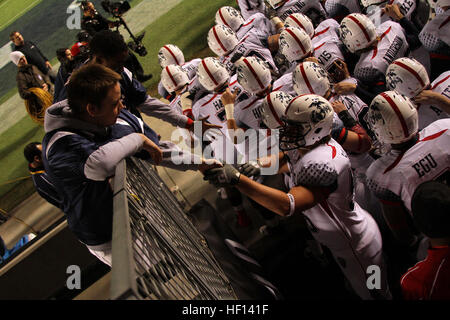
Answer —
156 251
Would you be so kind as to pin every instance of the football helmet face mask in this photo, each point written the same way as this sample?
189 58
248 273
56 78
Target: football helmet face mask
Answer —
212 74
274 105
299 20
253 74
393 118
173 78
407 76
295 44
357 32
310 78
307 120
170 54
230 17
222 40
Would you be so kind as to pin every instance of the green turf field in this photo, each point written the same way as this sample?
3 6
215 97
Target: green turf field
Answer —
11 10
186 25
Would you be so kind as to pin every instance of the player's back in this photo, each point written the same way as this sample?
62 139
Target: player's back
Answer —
338 219
373 64
431 113
395 176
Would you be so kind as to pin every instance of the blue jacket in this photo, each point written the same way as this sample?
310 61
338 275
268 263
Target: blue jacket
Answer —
80 158
45 187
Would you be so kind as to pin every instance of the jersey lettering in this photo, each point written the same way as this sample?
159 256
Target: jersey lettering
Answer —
406 6
395 47
425 165
324 57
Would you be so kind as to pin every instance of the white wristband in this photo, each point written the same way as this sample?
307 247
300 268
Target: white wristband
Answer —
186 103
291 205
276 20
229 111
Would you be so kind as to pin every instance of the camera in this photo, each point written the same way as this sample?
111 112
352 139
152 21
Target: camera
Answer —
137 46
116 8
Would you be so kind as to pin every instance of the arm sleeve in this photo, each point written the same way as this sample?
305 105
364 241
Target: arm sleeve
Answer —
318 175
155 108
411 33
383 194
102 162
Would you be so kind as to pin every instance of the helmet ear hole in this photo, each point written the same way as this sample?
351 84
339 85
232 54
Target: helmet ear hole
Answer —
318 130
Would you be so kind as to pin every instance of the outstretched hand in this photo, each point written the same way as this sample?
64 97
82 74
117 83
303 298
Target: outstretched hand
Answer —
155 152
222 177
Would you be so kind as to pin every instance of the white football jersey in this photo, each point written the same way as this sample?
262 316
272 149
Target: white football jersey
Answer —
326 43
429 113
312 8
257 22
373 64
338 222
407 8
250 45
250 7
212 107
395 176
435 36
340 8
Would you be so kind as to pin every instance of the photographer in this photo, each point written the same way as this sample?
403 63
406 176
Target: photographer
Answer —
94 22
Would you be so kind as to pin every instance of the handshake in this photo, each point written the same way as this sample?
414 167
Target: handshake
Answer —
227 175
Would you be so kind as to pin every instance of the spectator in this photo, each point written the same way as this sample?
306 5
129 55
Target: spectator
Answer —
32 53
68 64
34 87
86 137
93 21
46 189
430 279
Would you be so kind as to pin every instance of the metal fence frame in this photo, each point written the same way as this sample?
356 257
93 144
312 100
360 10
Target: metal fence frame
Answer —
124 277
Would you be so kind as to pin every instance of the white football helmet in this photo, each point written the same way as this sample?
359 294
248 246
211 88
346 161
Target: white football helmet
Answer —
357 32
230 17
307 120
407 76
276 3
173 78
212 74
222 39
299 20
274 105
309 77
170 54
253 74
393 118
295 44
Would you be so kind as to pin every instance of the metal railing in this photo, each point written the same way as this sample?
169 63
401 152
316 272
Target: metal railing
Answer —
156 251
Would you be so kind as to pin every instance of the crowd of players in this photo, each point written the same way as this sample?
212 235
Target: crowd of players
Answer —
356 95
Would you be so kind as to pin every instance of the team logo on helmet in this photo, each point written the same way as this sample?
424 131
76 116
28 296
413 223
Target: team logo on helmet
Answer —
393 79
375 116
344 30
320 111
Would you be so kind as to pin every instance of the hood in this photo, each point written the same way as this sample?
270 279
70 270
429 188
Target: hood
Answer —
60 116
